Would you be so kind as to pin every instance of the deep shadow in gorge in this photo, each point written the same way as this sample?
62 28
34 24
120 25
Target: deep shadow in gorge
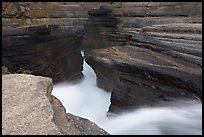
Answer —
146 70
100 25
47 50
167 65
54 50
146 54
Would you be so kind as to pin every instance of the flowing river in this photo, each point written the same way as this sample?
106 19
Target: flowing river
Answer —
86 100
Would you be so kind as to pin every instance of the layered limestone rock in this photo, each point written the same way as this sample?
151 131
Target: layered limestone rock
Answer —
137 16
142 77
168 29
160 58
43 38
100 24
56 27
50 54
28 108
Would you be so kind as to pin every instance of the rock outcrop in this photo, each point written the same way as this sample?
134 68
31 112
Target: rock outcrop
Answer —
160 55
138 76
73 125
42 38
85 126
25 107
46 38
28 108
100 24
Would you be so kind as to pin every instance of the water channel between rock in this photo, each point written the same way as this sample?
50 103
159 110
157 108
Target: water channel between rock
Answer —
86 100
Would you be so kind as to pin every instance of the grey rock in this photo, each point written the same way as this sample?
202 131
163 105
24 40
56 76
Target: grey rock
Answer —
172 29
70 124
28 108
43 51
138 76
84 126
60 118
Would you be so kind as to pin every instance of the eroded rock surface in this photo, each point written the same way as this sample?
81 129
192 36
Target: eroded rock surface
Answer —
160 58
37 36
42 38
85 126
29 109
100 24
139 76
25 107
168 30
73 125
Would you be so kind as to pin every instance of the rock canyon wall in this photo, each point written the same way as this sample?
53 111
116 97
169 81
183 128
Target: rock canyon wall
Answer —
145 53
155 56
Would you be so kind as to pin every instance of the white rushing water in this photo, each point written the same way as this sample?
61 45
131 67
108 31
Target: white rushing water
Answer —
86 100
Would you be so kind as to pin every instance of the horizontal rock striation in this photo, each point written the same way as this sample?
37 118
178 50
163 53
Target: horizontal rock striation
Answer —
28 108
44 54
101 22
42 38
169 33
156 56
138 76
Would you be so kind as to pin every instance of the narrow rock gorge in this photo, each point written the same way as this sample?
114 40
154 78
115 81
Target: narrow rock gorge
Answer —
145 78
157 58
144 53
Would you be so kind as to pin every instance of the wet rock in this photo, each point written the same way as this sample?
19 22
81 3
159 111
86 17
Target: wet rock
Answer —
138 76
161 57
172 29
85 126
73 125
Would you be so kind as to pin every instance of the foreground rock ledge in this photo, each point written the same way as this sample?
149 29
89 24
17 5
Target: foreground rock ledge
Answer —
27 109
